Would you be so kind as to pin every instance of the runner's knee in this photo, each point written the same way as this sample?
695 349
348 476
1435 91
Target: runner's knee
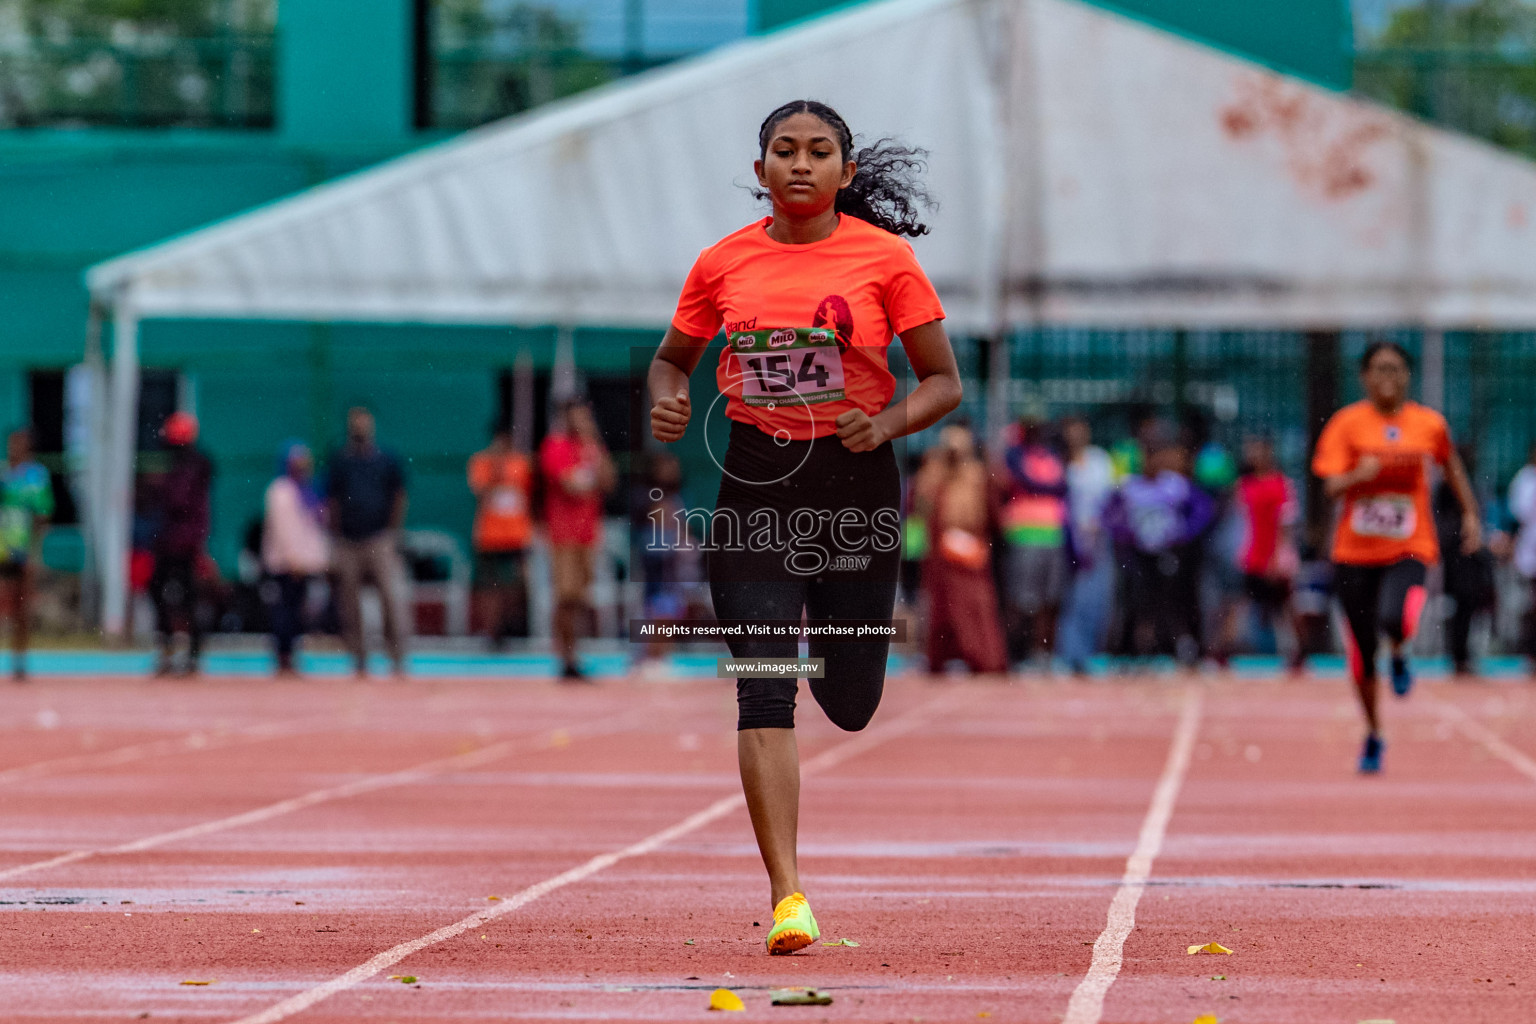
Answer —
765 703
850 698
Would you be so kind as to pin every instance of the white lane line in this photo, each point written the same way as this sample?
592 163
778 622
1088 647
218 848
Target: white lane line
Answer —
192 741
719 809
369 784
1477 732
1087 1004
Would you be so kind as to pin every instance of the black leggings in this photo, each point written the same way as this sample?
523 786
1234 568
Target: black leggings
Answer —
1378 599
819 492
173 587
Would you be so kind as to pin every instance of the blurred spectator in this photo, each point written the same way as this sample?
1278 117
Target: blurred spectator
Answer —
1156 517
578 474
914 535
26 503
1267 510
1034 515
1468 579
141 556
1522 507
1091 584
1216 578
669 561
294 549
180 544
501 479
1129 453
366 502
952 496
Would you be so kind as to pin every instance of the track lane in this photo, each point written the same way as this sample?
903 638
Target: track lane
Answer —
1345 898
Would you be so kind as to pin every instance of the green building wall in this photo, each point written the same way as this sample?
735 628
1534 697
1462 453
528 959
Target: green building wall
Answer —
71 198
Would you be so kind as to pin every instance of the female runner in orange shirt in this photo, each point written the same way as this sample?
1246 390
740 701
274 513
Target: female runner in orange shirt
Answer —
1374 457
809 298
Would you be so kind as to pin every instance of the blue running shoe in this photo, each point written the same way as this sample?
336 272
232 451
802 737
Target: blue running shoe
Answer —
1402 679
1370 757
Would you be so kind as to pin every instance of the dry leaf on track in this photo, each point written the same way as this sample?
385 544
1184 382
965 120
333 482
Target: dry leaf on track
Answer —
1209 947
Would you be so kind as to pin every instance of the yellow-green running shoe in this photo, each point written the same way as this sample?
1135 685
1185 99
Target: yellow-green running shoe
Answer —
793 926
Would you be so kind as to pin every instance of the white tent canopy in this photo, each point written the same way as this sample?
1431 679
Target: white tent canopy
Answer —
1129 176
1090 170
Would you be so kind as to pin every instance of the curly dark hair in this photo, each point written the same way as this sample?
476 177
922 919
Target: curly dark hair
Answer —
885 190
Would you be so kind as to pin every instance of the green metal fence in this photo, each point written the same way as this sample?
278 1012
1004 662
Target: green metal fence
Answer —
1256 382
223 82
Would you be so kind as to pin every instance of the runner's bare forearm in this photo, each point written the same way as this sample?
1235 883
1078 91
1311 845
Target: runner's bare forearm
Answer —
673 363
935 397
1456 473
938 388
1336 485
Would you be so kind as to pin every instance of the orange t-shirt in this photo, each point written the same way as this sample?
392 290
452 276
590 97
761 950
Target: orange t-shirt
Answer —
807 326
1388 518
502 520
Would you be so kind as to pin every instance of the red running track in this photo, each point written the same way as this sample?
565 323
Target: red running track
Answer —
297 844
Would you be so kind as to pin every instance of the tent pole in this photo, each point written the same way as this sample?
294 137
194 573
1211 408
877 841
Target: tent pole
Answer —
1432 371
522 401
122 441
90 474
995 244
562 383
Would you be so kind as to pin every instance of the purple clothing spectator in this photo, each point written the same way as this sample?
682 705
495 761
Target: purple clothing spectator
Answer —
1153 515
1156 522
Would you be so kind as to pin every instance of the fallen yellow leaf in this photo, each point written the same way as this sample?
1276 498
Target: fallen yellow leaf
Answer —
209 982
493 899
725 999
1205 1018
1210 947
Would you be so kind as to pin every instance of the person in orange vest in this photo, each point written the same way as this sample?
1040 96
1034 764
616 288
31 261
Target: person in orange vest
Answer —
501 478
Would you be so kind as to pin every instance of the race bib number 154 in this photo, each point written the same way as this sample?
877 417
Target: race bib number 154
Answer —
793 365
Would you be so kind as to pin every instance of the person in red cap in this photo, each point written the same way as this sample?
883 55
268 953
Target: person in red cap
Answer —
179 544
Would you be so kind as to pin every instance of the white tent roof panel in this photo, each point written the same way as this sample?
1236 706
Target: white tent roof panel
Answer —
1129 175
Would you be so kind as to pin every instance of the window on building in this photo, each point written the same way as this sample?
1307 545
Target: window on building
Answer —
45 393
490 59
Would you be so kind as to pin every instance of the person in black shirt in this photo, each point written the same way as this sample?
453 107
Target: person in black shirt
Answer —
366 494
1468 579
181 543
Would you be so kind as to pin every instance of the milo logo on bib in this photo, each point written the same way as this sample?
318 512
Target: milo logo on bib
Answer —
798 365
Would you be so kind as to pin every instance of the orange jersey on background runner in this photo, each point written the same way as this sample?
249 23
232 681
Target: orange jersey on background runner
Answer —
1388 518
807 326
503 521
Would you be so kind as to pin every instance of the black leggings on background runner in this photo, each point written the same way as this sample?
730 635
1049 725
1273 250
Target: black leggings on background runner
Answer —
808 485
1378 599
